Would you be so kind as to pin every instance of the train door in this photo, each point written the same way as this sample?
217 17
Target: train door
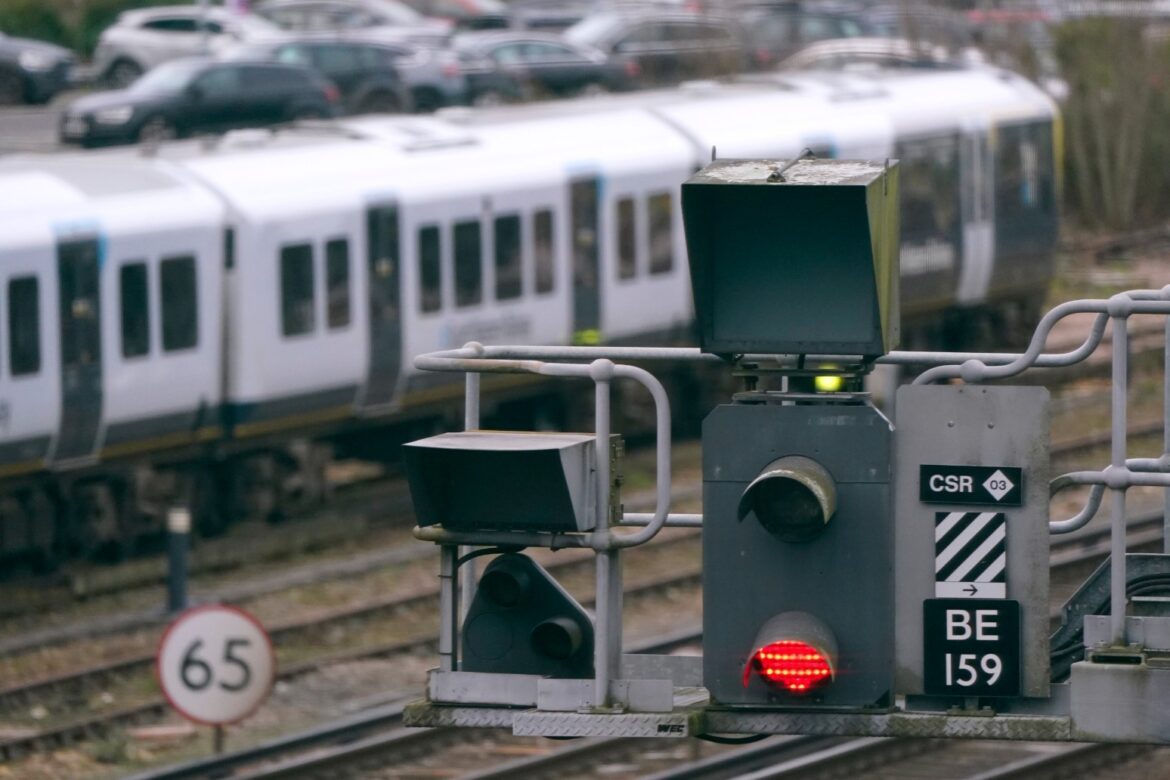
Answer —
978 212
382 253
78 265
584 194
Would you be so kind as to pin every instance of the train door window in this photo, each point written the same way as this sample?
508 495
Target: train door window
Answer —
661 233
542 249
430 277
296 289
468 264
24 326
337 283
930 189
508 274
627 239
180 311
132 285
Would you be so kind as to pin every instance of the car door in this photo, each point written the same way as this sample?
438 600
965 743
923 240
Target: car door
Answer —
219 101
268 92
557 68
646 43
341 64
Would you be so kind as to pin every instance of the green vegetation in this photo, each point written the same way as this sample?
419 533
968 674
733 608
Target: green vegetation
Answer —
1116 148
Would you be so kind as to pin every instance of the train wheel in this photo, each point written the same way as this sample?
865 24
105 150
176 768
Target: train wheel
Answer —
95 525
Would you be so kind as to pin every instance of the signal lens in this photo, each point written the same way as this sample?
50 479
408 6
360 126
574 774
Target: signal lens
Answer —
828 383
798 667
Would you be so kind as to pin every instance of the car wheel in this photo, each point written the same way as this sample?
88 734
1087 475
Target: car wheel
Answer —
427 100
379 103
156 129
11 88
307 113
123 73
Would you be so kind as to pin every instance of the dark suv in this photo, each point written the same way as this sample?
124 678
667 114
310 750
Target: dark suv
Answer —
32 71
366 73
188 96
667 46
773 31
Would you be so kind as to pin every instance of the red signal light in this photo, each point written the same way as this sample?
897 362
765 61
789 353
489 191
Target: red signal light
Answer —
798 667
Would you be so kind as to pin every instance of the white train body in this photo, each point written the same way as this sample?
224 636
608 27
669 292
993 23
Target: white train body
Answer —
273 283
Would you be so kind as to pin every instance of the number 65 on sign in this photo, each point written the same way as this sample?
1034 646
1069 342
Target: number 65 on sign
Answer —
215 665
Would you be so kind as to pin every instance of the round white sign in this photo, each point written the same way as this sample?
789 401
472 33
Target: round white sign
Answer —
215 664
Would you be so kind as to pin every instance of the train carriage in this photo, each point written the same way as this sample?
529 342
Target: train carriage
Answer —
234 308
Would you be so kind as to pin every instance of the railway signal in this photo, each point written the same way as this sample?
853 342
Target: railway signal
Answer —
798 532
522 621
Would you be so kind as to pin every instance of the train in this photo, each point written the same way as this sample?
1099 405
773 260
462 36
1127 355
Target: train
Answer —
207 321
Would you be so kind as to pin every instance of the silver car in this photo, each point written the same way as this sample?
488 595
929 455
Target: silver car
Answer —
143 38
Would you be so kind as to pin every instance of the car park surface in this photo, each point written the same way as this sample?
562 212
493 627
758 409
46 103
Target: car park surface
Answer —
196 95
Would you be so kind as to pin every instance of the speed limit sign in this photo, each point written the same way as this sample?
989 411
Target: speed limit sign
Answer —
215 664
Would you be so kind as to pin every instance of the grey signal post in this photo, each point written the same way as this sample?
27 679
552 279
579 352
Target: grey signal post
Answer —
797 494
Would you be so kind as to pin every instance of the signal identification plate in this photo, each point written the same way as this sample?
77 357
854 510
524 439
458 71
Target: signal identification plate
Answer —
971 647
979 485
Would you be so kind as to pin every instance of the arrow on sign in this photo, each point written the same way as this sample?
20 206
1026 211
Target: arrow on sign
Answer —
970 590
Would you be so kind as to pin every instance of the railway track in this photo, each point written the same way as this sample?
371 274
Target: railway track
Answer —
361 743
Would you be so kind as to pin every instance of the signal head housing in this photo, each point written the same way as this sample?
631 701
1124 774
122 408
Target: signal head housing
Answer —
801 263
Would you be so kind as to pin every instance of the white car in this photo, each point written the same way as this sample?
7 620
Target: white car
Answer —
143 38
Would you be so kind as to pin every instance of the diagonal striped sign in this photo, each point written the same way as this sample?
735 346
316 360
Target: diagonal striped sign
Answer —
970 555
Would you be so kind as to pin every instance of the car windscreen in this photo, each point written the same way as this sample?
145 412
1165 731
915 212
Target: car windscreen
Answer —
168 78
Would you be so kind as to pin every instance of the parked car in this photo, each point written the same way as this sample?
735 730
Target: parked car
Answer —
32 71
667 46
388 19
146 37
525 64
366 73
197 95
869 53
773 31
466 14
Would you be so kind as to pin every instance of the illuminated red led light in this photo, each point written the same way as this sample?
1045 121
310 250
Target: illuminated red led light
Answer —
797 667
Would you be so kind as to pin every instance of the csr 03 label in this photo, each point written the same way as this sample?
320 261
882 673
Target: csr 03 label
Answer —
971 647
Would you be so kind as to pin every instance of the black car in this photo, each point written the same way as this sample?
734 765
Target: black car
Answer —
667 46
773 31
511 65
366 73
188 96
32 71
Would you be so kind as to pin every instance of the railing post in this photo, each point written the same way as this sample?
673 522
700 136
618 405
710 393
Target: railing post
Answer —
1117 600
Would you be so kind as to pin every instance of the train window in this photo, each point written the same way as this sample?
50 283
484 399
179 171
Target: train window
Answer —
296 289
508 279
626 238
24 326
542 248
430 275
337 282
468 264
929 184
661 234
135 309
180 311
